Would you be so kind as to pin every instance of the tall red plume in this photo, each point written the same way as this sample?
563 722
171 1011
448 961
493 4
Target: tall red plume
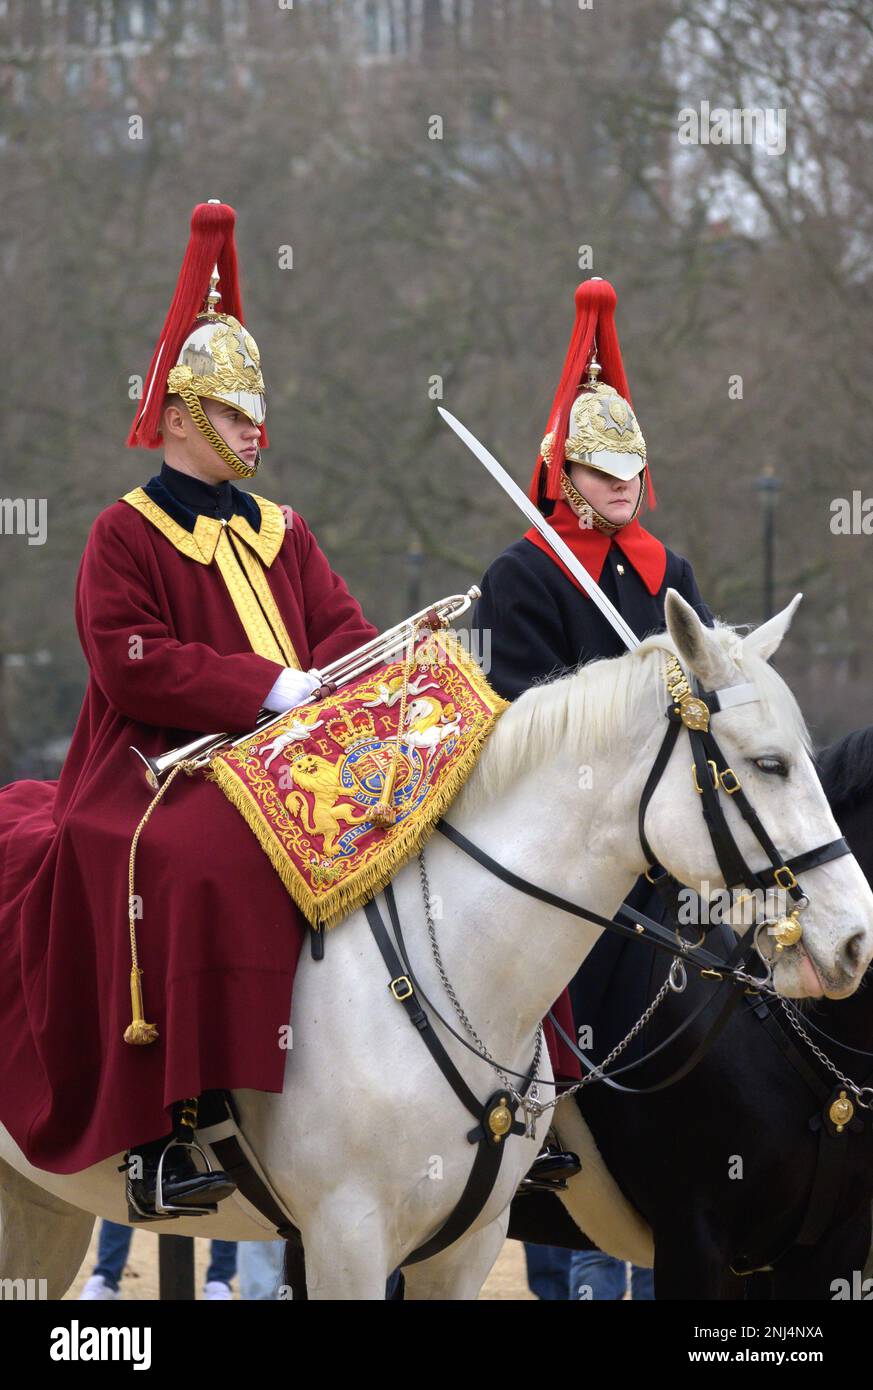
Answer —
595 323
211 242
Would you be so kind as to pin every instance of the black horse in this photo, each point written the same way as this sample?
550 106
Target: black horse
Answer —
749 1187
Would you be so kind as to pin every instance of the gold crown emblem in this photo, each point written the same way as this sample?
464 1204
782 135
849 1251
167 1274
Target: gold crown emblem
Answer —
350 729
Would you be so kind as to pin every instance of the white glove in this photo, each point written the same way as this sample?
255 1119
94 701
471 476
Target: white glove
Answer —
291 689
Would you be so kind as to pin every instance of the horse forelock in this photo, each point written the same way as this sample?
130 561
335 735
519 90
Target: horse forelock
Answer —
592 709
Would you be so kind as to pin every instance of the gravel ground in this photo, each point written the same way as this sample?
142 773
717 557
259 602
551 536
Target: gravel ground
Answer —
507 1279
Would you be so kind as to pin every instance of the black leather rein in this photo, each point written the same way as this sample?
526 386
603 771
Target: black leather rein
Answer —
496 1118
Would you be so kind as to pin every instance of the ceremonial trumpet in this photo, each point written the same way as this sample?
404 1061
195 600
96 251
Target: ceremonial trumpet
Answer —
378 650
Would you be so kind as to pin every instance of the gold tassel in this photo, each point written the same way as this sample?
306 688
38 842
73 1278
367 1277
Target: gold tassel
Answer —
138 1032
385 812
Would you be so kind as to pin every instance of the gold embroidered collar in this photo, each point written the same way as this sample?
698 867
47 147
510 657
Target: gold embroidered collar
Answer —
200 543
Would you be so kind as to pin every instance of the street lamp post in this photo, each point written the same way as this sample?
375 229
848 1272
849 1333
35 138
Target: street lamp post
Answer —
768 485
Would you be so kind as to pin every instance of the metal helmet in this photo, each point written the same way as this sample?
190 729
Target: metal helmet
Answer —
217 359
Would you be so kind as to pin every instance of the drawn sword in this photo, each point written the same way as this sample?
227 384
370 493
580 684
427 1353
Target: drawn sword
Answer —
548 533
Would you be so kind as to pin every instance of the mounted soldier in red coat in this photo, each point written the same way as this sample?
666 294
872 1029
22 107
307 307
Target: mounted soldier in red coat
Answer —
198 605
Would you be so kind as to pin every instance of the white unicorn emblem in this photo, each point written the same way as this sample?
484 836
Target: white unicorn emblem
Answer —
296 733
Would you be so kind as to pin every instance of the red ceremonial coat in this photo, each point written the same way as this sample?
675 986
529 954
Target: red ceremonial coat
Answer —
186 623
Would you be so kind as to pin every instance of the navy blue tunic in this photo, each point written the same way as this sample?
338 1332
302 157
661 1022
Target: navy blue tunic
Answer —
532 622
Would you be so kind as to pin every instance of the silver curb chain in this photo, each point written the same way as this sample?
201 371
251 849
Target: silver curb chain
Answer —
598 1073
857 1091
531 1104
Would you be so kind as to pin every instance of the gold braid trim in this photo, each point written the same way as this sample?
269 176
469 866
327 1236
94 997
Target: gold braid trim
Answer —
258 580
267 542
240 570
248 610
198 544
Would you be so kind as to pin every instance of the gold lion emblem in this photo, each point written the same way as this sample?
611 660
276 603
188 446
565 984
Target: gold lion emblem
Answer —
329 810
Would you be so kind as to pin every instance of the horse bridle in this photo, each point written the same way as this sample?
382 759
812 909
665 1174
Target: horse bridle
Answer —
692 707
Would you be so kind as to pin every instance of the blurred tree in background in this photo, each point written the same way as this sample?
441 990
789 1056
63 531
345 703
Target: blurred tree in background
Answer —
420 185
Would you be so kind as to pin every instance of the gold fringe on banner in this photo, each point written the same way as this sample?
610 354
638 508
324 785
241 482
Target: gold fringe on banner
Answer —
331 907
325 907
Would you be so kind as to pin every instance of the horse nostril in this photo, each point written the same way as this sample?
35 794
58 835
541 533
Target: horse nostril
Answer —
853 949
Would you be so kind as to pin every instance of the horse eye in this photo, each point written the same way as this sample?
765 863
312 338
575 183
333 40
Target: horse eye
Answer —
772 765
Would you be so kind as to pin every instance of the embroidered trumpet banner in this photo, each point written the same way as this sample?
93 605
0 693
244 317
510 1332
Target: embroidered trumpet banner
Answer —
308 785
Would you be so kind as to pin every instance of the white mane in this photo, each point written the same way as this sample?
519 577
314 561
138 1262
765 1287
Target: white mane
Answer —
592 708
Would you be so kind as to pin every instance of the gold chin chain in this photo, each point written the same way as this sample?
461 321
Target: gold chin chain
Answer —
208 430
588 515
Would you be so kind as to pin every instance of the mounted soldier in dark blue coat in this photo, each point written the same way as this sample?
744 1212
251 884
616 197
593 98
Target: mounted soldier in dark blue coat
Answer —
591 481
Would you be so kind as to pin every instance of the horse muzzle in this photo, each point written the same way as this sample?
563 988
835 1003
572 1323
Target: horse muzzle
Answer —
799 973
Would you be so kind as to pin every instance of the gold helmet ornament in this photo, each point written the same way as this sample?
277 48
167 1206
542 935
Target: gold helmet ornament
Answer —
592 421
204 352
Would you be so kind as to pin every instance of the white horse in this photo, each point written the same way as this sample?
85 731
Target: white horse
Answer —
367 1143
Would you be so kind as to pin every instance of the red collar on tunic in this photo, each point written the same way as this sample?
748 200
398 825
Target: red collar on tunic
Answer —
643 550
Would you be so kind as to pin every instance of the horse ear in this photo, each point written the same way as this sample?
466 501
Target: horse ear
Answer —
695 644
765 639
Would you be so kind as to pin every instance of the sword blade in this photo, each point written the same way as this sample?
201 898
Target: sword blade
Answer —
548 533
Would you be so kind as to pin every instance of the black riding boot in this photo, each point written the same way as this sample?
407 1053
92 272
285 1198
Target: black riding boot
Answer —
184 1189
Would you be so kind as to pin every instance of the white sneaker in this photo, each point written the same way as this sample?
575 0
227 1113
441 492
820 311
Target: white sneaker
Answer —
216 1290
97 1288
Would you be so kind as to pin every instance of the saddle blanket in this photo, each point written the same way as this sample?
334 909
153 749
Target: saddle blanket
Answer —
308 784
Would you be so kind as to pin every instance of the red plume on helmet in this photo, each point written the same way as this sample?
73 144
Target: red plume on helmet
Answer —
595 325
211 243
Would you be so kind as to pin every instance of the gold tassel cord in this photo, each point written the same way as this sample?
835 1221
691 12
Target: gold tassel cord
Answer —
139 1032
385 812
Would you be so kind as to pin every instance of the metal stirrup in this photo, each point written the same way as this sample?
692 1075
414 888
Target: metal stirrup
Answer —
160 1205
